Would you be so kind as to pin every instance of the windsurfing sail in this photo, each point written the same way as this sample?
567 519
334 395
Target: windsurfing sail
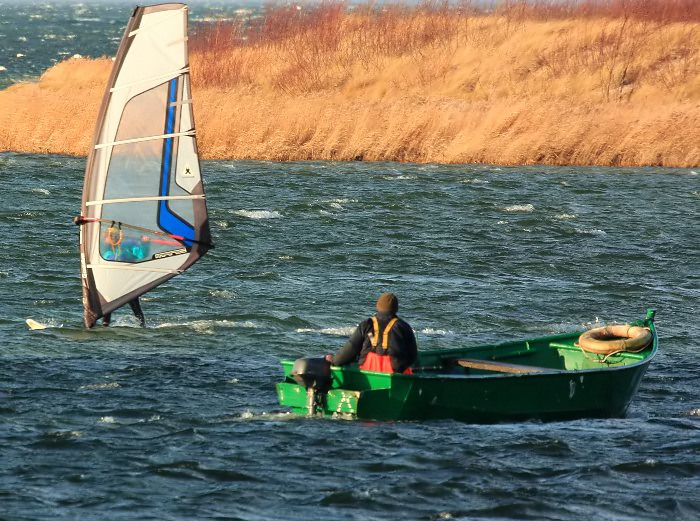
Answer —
143 216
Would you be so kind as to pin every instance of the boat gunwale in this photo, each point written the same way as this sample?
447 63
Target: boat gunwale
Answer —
544 371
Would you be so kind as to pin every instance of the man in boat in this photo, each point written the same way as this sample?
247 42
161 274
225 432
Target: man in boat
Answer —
135 308
384 342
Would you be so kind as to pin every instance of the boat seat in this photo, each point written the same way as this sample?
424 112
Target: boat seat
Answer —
501 367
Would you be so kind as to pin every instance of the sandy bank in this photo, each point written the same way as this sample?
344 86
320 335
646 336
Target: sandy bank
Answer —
416 86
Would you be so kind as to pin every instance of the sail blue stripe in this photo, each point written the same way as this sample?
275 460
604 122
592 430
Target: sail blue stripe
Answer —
167 220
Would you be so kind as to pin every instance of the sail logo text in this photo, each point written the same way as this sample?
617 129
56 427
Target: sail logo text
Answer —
164 254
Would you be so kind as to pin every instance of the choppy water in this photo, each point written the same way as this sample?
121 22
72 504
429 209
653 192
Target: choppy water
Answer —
180 420
36 34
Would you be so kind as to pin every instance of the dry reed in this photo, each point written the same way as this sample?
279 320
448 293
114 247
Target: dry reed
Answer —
568 82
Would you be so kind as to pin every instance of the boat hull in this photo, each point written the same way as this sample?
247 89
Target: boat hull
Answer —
565 384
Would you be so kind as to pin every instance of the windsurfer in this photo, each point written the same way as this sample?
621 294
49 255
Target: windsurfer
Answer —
143 208
383 342
135 307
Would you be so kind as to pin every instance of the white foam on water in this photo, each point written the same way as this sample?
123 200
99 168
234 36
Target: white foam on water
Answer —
94 387
257 214
524 208
590 231
335 331
433 331
587 325
248 324
338 204
222 293
565 216
207 326
41 191
558 327
113 420
277 416
348 330
238 13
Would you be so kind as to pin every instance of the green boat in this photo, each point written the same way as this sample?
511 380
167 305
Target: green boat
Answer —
546 378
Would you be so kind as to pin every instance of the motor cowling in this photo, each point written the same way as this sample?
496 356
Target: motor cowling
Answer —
312 373
315 375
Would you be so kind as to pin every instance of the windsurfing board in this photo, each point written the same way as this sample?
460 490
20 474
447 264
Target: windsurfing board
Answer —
33 324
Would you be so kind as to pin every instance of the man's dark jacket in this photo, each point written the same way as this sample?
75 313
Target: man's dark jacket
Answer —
402 348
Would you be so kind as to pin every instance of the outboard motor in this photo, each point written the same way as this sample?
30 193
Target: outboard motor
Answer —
315 375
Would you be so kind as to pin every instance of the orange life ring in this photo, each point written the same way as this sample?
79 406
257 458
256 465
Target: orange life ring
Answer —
614 339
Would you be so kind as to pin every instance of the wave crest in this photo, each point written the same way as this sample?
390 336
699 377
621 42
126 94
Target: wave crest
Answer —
257 214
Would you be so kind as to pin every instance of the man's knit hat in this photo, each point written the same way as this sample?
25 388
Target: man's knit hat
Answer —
387 303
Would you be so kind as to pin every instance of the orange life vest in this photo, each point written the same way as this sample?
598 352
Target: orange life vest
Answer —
114 238
380 362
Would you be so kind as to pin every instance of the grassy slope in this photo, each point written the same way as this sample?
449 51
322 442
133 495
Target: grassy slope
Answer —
426 84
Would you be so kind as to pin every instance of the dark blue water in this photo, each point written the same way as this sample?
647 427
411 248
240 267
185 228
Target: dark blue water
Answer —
38 34
180 420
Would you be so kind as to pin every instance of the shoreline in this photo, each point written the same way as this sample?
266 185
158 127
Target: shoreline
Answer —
479 89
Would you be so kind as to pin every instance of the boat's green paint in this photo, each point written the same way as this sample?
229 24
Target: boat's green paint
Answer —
573 385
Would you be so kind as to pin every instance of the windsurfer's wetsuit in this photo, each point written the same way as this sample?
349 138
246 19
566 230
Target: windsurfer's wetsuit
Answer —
377 351
135 307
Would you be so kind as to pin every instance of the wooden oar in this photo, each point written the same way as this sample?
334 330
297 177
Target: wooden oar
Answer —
501 367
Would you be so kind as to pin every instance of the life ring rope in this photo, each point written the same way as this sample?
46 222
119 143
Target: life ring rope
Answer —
615 338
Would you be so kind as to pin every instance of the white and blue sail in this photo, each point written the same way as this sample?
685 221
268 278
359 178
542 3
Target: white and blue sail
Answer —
143 215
